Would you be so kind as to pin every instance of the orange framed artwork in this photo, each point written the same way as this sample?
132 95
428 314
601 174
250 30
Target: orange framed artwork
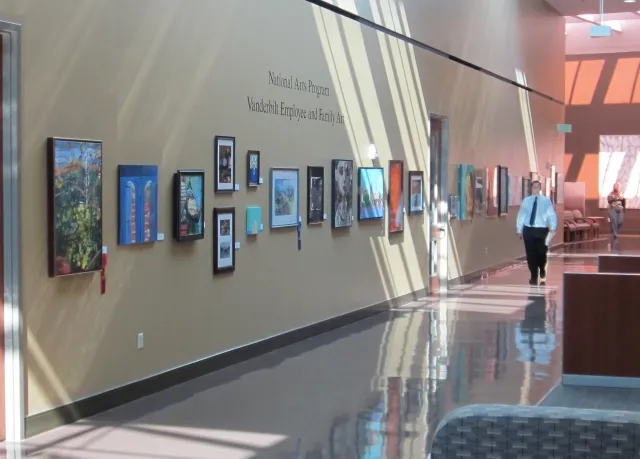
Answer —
396 197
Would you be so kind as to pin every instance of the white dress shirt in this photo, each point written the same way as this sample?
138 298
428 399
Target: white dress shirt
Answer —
545 213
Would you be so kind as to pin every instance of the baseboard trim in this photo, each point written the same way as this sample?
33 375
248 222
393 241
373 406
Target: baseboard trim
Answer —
90 406
616 382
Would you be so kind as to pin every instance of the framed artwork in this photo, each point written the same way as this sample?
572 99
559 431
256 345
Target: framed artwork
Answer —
224 239
466 183
74 173
416 192
492 192
543 182
396 196
254 220
526 187
137 204
285 197
370 193
503 191
225 163
552 185
188 205
480 200
560 188
253 168
341 193
454 206
315 195
515 190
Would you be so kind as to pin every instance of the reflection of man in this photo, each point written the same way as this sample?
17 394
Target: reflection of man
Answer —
536 220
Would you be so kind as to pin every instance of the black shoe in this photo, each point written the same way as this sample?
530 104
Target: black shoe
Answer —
533 282
543 281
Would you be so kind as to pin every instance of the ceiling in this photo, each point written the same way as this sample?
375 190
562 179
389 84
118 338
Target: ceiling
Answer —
576 7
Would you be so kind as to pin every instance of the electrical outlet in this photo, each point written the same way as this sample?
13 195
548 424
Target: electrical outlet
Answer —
140 340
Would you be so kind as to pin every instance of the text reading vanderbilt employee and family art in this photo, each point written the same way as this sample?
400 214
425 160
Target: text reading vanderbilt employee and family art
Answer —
293 111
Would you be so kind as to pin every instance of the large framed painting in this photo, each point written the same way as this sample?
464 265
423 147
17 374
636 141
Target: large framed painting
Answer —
253 168
285 197
225 163
341 193
224 259
137 204
315 195
396 196
188 205
74 170
492 192
466 192
370 193
503 191
480 199
416 192
559 188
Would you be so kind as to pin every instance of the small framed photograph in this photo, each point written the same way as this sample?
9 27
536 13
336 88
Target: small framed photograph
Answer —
74 182
188 205
370 193
285 197
341 193
225 164
480 200
253 168
396 196
503 191
224 239
416 192
315 195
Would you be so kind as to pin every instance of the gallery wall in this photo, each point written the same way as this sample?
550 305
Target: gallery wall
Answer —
603 102
178 73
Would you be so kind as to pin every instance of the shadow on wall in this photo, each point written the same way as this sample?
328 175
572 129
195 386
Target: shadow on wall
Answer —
602 93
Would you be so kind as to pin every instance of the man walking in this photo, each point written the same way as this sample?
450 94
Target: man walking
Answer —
537 219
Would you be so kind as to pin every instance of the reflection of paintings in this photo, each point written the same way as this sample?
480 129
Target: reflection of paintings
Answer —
466 191
480 199
315 194
396 198
254 220
188 205
370 193
503 191
137 204
253 168
416 192
284 197
369 432
492 192
341 193
559 188
619 162
224 239
225 159
75 206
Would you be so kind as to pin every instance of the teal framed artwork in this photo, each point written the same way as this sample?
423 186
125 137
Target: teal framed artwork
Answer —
466 190
254 220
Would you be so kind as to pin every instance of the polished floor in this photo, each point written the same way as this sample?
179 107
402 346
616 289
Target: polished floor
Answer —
373 390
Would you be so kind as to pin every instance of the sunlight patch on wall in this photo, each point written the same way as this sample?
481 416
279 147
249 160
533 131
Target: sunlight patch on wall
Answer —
585 81
619 162
623 82
527 121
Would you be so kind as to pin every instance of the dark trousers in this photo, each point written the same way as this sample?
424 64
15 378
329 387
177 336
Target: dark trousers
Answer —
536 250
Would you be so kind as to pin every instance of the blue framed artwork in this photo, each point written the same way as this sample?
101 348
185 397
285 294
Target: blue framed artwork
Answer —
138 204
254 220
466 191
370 193
285 197
253 168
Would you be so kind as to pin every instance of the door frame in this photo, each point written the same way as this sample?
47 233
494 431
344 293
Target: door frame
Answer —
442 204
11 144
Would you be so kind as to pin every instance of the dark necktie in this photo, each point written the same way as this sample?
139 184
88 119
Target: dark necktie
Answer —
533 212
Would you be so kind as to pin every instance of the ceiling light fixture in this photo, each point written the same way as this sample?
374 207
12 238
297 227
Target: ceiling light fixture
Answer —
629 1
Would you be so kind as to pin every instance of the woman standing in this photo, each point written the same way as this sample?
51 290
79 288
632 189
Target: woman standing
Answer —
616 211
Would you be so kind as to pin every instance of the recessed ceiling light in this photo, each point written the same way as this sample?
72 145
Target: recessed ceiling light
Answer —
629 1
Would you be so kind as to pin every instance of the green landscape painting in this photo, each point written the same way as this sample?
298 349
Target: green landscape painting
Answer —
75 206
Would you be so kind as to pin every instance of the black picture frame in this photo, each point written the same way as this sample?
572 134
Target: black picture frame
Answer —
344 197
414 210
81 160
253 178
393 164
229 240
181 215
375 215
503 191
220 171
315 189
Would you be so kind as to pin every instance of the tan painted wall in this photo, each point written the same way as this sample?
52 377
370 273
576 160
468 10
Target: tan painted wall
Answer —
156 80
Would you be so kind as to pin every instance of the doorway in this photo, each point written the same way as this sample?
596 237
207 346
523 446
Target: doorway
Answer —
438 204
